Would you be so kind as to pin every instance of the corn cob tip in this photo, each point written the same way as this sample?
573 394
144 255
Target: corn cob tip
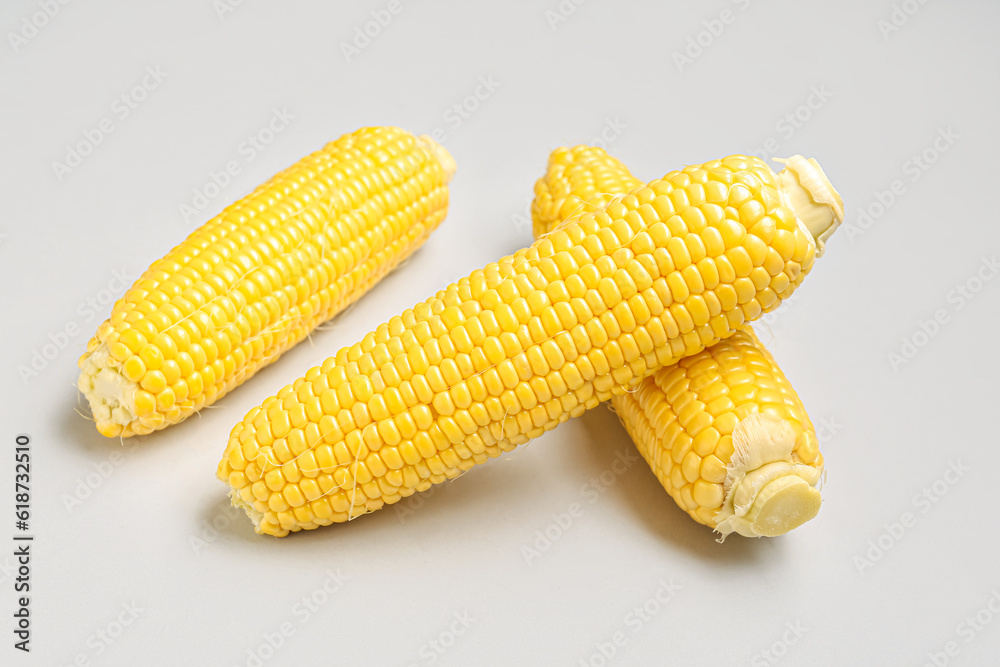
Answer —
440 153
813 198
110 395
782 504
767 492
256 517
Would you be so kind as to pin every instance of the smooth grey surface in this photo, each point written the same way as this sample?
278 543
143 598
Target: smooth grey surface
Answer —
139 533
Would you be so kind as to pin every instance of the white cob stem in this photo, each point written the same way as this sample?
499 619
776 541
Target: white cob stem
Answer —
807 191
767 492
110 394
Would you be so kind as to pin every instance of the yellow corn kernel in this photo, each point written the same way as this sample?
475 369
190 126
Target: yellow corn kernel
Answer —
257 278
617 250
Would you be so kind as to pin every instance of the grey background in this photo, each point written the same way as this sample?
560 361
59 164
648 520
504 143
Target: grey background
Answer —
132 525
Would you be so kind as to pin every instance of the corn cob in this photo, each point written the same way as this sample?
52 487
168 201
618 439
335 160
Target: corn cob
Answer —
723 430
728 438
257 278
522 345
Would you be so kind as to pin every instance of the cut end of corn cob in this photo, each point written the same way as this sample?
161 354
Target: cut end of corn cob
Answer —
783 504
255 517
768 492
110 394
257 278
813 198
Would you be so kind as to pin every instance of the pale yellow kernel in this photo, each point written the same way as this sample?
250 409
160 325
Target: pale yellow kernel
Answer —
133 369
149 423
679 253
740 260
807 448
276 502
783 242
745 290
708 494
154 382
756 249
732 233
151 357
410 454
325 459
394 402
698 310
293 495
713 470
682 445
720 406
678 287
686 499
165 399
391 457
706 441
760 278
145 403
280 423
388 433
525 396
361 387
751 212
133 340
274 479
675 481
716 192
